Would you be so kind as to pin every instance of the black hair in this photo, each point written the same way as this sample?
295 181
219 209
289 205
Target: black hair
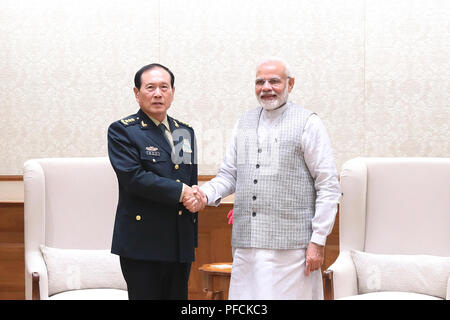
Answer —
137 77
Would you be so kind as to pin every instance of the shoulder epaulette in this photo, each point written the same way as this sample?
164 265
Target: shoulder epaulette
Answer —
127 121
176 122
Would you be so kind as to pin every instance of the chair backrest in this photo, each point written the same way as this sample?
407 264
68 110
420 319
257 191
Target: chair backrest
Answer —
70 203
396 205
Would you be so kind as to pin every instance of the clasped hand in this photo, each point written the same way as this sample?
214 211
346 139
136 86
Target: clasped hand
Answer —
194 199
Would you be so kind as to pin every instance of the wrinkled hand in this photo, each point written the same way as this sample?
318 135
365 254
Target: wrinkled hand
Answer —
230 217
194 199
314 257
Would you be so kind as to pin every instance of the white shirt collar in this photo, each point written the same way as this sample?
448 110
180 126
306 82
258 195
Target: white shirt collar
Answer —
165 122
272 115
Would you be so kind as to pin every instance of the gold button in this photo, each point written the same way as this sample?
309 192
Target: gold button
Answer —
178 180
154 160
138 217
180 212
176 167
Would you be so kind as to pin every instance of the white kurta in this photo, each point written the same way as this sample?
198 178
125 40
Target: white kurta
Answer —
261 274
279 274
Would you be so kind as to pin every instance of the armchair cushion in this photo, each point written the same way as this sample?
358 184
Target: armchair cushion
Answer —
424 274
71 269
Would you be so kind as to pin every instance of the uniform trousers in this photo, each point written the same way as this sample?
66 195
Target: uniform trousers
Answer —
262 274
155 280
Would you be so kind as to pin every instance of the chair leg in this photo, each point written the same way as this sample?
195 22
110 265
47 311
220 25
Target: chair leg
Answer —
35 292
328 288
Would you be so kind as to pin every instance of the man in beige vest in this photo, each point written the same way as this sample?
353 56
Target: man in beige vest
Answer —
280 166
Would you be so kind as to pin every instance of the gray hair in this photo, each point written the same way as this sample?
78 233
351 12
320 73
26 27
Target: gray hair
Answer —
276 59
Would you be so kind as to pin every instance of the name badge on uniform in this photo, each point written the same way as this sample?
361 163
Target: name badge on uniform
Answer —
187 146
152 151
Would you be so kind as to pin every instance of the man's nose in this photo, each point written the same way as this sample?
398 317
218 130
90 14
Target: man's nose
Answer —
266 86
157 92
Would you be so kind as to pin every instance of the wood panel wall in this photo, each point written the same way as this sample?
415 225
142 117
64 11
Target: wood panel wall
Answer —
12 264
214 236
214 246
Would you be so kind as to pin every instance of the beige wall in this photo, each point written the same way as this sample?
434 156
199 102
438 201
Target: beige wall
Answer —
376 71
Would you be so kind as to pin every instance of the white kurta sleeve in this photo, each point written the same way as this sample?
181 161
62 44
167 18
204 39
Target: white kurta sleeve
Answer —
224 183
320 162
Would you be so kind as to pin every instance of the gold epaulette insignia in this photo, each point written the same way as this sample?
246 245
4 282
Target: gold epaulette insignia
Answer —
127 121
143 124
184 123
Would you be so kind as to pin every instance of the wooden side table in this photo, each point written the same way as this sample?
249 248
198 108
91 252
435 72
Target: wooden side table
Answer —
216 280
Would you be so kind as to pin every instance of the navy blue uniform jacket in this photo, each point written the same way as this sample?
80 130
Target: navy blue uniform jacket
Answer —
151 224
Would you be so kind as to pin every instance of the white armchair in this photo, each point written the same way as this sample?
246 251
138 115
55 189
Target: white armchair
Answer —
394 230
70 207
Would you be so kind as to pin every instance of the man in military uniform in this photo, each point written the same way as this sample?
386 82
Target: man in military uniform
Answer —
153 157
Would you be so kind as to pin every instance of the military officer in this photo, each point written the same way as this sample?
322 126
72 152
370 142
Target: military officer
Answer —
153 157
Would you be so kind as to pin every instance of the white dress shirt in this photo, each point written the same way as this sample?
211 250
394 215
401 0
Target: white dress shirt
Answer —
318 157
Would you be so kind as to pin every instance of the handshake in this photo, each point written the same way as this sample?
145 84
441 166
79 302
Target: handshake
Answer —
194 199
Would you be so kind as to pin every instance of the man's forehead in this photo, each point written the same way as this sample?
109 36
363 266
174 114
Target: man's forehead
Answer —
271 68
156 75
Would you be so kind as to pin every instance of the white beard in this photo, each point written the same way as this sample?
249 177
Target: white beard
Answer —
274 104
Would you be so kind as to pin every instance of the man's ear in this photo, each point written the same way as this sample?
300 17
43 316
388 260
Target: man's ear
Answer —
291 84
136 93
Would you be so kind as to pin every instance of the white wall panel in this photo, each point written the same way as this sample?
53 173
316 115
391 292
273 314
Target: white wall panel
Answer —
376 72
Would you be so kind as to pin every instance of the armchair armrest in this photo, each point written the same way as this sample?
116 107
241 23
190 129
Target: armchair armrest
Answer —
342 280
35 275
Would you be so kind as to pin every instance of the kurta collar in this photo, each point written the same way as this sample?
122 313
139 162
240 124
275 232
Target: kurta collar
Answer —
272 115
